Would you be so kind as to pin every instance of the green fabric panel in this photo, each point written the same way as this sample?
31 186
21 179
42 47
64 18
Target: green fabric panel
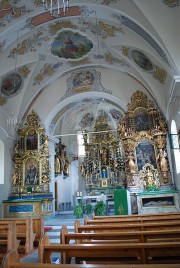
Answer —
120 202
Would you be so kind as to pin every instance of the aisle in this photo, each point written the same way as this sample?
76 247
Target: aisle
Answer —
55 223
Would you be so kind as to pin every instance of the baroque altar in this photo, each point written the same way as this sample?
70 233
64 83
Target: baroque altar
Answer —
133 156
30 195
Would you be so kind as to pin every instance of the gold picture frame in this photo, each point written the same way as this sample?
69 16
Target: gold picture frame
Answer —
104 183
31 171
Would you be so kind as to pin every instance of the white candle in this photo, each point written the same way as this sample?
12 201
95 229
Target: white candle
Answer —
58 8
51 8
64 7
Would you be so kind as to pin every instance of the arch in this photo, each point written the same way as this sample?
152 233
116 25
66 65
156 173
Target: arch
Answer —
176 151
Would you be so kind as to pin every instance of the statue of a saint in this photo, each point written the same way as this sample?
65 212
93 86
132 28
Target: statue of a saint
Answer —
57 165
131 163
162 160
66 165
149 178
83 171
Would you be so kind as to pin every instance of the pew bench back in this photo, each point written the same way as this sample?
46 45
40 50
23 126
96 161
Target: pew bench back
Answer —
140 253
119 237
11 260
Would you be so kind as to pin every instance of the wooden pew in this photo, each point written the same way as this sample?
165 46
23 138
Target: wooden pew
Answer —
11 260
38 228
126 253
133 216
7 232
8 239
119 237
23 232
129 220
133 227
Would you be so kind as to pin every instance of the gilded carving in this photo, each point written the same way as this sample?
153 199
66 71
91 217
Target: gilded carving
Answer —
2 101
31 159
126 51
53 29
111 59
143 132
160 74
80 62
109 29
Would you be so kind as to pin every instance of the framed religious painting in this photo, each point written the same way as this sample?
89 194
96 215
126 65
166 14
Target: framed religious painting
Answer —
31 140
31 171
141 120
145 153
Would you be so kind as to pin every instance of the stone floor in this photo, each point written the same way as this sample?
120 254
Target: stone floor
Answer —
64 218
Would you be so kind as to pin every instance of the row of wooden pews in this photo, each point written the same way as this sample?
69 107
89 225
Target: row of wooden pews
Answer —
124 244
22 234
142 241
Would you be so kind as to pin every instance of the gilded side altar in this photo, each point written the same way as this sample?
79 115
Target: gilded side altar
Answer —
30 195
133 156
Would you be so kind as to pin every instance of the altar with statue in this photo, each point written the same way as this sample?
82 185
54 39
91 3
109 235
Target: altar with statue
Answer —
30 194
133 157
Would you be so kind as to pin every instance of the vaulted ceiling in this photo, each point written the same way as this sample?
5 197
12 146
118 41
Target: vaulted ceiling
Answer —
64 66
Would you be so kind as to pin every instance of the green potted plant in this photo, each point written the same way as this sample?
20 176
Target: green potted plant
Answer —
100 208
78 211
88 209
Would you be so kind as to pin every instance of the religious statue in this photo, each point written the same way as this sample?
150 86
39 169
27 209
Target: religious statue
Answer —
66 165
83 170
61 161
103 156
59 157
131 163
16 178
149 178
162 160
57 165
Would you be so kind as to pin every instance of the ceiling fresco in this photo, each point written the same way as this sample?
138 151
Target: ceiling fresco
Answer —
71 45
70 56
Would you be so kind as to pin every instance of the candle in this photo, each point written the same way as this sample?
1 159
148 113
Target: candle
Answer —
64 7
58 8
51 7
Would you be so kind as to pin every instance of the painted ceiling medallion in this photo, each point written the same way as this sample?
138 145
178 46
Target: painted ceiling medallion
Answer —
71 45
171 3
141 60
11 84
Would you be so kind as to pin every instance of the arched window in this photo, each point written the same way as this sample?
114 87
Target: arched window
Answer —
81 147
1 162
176 145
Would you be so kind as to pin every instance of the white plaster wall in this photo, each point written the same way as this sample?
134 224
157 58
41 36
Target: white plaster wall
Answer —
5 189
68 187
